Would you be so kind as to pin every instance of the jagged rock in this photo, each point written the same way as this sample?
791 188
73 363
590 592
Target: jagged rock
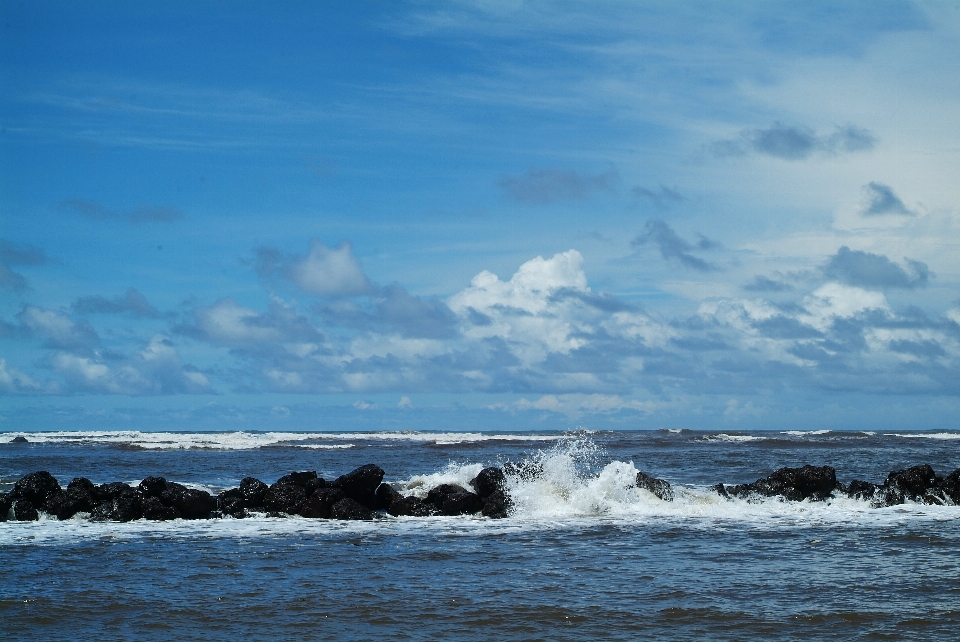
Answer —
496 505
465 503
913 484
795 484
76 499
299 479
350 509
112 490
488 481
192 503
152 486
361 484
82 485
659 487
35 488
6 503
437 495
950 486
315 484
284 498
19 439
526 470
862 490
254 491
25 511
103 511
385 495
320 504
127 507
721 490
154 509
410 506
230 502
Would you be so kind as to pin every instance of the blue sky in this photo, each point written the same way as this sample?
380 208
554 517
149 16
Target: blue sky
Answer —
509 215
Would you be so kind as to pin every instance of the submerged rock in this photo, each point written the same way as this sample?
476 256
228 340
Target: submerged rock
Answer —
19 439
795 484
659 487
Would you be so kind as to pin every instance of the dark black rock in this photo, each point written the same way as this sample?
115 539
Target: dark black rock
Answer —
112 490
465 503
192 503
385 495
25 511
6 503
361 484
103 511
284 498
65 504
230 502
526 470
950 487
437 495
35 487
795 484
862 490
488 481
315 484
299 479
916 484
19 439
82 485
127 507
721 490
659 487
155 510
320 504
254 491
497 505
410 506
152 486
350 509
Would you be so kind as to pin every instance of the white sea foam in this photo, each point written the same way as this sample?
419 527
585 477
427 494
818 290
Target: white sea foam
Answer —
252 440
804 433
725 437
933 435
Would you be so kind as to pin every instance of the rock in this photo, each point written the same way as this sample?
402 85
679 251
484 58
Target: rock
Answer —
488 481
254 491
35 488
795 484
465 503
361 484
320 504
721 490
127 507
19 439
6 503
315 484
25 511
285 498
299 479
659 487
497 505
192 503
82 485
436 496
65 504
155 510
410 506
862 490
385 495
103 511
950 487
350 509
152 486
911 484
112 490
230 502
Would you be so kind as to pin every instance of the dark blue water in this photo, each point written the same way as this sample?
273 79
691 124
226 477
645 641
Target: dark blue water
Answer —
583 556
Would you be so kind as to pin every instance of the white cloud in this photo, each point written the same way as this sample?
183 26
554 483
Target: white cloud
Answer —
331 272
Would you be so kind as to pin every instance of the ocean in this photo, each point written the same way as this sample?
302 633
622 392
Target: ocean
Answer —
583 554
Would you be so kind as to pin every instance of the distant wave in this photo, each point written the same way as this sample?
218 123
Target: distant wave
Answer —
929 435
804 433
725 437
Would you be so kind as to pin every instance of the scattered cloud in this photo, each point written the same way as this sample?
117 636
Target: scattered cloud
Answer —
545 186
674 248
59 330
881 200
18 254
796 142
863 269
766 284
662 197
142 214
325 271
132 303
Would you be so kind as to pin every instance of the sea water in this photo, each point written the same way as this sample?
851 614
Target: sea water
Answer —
584 554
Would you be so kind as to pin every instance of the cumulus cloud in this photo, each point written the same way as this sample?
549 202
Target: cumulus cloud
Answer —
18 254
325 271
674 248
881 200
14 381
796 142
142 214
228 324
545 186
59 330
867 270
132 303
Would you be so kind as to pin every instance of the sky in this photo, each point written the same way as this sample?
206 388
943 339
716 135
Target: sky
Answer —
479 215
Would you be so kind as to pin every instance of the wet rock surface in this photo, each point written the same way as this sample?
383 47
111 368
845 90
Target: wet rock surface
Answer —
361 494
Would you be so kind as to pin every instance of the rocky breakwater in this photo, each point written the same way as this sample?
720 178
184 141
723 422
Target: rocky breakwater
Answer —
358 495
918 484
